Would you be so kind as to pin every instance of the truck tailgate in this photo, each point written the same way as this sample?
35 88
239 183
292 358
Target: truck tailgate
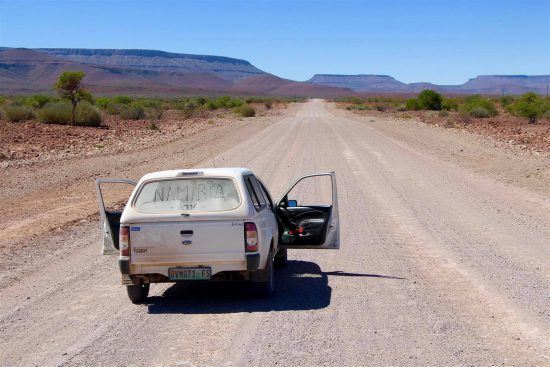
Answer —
187 242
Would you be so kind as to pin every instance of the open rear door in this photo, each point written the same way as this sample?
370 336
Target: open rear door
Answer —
110 214
308 213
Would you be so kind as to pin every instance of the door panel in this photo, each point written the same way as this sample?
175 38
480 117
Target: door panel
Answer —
315 225
110 216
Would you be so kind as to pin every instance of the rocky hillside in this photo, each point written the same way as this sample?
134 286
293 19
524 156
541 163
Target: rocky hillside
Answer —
484 84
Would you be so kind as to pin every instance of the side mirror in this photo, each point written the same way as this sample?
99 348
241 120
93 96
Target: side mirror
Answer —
291 204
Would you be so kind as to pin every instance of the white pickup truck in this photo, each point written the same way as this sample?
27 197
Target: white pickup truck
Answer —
214 224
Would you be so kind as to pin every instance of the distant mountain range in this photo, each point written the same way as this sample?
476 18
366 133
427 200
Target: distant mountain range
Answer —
150 72
483 84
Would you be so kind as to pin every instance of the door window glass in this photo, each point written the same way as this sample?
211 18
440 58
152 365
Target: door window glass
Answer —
312 191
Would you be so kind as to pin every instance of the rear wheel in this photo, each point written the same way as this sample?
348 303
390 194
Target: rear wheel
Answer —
266 288
281 258
137 293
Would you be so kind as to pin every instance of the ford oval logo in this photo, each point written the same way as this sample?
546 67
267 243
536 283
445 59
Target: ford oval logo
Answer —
186 243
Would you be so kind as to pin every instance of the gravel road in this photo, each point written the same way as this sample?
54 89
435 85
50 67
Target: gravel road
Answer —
444 258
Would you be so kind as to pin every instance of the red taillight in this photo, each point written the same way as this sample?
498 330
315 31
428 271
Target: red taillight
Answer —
124 241
250 237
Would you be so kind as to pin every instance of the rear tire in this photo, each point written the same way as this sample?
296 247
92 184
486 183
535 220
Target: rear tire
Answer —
266 289
137 293
281 258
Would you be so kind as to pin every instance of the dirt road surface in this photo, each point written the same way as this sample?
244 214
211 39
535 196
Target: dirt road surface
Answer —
444 259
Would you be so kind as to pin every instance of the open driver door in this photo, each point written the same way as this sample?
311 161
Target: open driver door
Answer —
308 213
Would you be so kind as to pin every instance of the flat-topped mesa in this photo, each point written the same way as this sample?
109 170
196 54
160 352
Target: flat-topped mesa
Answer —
224 67
359 82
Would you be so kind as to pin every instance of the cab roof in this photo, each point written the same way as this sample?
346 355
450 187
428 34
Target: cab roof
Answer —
198 172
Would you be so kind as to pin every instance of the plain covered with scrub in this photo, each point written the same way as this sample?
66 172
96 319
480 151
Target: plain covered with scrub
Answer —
91 111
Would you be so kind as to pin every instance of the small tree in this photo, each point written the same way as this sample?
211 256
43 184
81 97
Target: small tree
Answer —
529 106
429 100
69 86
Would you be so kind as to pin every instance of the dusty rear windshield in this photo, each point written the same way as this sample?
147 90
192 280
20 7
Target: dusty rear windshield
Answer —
188 195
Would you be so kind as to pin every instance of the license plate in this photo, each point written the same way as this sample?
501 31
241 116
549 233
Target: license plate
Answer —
189 273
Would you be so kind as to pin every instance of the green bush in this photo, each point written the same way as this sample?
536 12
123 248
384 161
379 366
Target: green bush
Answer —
430 100
87 115
115 108
60 113
147 103
478 106
132 113
530 106
102 102
480 112
245 111
38 101
2 99
505 101
449 104
154 114
223 102
122 100
412 104
188 109
56 113
18 113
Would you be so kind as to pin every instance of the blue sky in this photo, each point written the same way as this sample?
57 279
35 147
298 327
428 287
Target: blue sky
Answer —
443 42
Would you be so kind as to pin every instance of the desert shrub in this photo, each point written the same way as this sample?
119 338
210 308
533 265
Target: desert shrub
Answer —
132 113
2 99
188 109
148 103
223 102
102 102
115 108
530 106
443 113
268 105
429 100
245 111
380 107
412 104
60 113
401 107
56 113
449 104
355 100
478 106
18 113
87 115
122 100
211 105
154 114
480 112
38 101
505 101
201 100
546 114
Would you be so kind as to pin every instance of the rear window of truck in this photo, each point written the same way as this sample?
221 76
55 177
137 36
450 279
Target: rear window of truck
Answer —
187 194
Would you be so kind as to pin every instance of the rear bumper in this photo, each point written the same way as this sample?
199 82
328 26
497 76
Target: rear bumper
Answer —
248 262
